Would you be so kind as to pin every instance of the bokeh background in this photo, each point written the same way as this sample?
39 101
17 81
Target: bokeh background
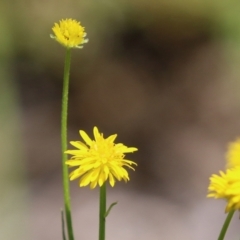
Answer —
163 75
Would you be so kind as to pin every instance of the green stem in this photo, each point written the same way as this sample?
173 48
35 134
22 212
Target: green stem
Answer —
102 212
225 225
66 191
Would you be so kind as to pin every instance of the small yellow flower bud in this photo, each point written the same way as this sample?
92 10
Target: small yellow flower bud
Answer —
69 33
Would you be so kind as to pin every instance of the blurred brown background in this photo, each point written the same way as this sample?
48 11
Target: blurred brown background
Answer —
163 75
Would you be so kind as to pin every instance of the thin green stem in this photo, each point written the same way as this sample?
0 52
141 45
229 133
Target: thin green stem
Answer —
225 225
66 191
102 211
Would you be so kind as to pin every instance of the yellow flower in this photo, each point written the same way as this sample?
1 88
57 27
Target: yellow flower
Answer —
99 160
69 33
233 154
226 186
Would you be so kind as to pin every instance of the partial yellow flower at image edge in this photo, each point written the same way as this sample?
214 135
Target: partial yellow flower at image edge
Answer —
99 160
226 186
69 33
233 154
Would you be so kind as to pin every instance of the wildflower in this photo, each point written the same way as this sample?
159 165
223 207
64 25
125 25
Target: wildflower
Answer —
233 154
99 160
69 33
226 186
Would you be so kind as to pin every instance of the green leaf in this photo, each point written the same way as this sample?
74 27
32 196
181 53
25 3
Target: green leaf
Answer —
63 225
109 209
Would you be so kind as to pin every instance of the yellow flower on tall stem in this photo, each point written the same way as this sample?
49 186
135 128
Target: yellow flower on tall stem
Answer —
70 34
99 160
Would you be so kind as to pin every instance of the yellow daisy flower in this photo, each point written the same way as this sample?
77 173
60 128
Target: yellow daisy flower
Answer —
226 186
99 160
233 154
69 33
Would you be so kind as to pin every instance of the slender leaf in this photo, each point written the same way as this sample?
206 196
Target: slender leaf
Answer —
109 209
63 225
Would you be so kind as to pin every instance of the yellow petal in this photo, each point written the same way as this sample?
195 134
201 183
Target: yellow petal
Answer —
85 137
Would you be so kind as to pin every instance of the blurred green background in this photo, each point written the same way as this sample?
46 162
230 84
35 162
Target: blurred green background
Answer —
164 75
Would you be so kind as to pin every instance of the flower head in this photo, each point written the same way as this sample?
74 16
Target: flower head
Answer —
226 186
69 33
99 160
233 154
